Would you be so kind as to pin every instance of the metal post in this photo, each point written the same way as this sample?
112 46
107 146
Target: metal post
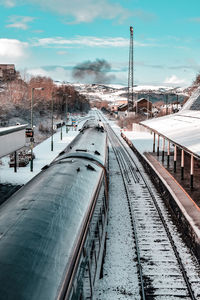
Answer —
158 145
61 131
52 124
168 154
32 99
166 104
15 162
182 164
177 101
154 141
163 151
32 96
191 171
148 107
130 73
175 157
32 138
66 111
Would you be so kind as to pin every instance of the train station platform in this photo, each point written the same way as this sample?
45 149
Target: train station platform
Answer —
187 205
185 209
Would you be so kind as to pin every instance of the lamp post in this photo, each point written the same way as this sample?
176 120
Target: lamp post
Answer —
66 108
61 129
148 107
166 104
32 96
32 139
52 123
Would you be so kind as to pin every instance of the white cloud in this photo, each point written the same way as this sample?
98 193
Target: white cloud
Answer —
89 41
57 73
174 80
196 20
77 11
8 3
12 50
19 22
61 52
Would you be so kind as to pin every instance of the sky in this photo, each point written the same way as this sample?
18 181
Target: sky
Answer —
50 37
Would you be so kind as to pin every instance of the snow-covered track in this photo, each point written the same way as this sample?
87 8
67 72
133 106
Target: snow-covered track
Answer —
162 274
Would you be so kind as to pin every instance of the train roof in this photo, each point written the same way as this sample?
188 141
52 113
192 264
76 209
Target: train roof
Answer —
39 226
91 144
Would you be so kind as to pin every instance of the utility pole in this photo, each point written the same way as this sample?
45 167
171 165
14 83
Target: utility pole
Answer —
130 73
32 138
52 122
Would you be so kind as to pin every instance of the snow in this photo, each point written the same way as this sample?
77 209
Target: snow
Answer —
43 154
4 130
158 260
181 128
143 141
118 279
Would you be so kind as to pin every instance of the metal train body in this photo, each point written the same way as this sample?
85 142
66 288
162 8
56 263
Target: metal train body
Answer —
52 230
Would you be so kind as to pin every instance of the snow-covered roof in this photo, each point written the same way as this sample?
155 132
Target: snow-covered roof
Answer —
193 102
10 129
182 128
11 139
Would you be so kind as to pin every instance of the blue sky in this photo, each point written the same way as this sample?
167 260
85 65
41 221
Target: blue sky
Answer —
49 37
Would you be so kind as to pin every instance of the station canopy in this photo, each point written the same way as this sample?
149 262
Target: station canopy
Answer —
182 128
12 139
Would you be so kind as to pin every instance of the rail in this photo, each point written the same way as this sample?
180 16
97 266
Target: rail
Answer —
126 162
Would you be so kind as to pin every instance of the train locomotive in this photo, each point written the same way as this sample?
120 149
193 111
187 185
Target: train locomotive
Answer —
52 231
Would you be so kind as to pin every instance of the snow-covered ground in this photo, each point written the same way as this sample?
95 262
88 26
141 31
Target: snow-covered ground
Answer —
116 92
120 276
43 154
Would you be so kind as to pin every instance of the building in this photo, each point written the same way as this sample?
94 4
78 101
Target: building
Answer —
178 136
7 72
142 106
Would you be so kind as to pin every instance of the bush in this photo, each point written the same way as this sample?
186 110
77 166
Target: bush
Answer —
44 129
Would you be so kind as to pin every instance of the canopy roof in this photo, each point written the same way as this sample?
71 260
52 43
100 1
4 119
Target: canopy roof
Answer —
182 128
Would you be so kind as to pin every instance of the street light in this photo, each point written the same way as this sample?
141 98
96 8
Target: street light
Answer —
177 102
166 104
32 139
52 123
61 129
66 107
148 106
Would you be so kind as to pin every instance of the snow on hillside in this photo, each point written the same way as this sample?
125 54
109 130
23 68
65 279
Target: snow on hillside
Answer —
116 92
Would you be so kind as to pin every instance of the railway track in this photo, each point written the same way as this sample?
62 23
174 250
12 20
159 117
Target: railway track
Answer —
162 273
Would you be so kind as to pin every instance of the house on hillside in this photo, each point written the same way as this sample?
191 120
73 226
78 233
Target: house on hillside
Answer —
123 110
143 106
7 72
114 106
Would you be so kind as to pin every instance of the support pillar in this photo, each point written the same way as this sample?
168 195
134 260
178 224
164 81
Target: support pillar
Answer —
168 154
154 141
175 157
182 164
163 150
15 162
158 145
191 172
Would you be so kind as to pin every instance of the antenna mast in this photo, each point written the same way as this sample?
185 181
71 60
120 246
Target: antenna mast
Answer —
130 73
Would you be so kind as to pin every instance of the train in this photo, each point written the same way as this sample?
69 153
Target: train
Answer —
53 230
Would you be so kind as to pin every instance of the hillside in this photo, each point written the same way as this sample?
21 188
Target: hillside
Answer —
16 97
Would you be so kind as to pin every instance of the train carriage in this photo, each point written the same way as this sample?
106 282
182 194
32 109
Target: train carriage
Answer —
52 231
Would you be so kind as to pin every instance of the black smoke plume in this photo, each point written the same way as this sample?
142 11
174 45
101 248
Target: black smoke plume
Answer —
93 72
